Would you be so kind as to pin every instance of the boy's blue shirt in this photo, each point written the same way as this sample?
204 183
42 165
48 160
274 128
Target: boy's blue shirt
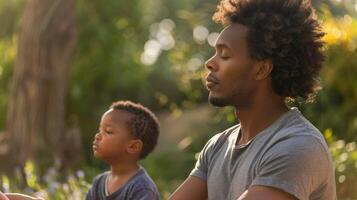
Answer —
139 187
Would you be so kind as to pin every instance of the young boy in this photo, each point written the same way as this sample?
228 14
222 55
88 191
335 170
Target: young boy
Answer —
128 132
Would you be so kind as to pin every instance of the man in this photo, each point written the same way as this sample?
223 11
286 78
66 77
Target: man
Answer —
268 52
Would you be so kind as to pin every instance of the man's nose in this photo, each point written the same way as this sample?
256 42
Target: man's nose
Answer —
210 64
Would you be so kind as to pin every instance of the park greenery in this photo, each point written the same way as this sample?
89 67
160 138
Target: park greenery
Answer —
153 52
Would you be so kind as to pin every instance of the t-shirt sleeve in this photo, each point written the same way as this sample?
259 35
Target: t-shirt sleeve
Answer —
201 168
297 166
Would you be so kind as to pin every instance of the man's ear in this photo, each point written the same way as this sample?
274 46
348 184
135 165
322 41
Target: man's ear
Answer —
135 146
264 69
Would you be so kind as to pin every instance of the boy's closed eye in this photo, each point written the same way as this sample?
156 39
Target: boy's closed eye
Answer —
105 131
108 130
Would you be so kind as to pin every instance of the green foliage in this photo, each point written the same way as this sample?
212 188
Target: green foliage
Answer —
10 12
345 161
335 105
28 182
109 65
7 56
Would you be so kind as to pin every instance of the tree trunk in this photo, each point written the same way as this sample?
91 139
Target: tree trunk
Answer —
35 119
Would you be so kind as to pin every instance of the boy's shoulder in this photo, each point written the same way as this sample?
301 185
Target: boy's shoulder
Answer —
145 186
101 176
140 186
99 180
97 190
142 180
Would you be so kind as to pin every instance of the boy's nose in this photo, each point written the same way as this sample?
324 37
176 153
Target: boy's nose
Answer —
97 136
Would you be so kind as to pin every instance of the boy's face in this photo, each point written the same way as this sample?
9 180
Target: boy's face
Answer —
114 139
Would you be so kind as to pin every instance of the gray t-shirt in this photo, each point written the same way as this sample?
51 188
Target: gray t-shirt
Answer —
139 187
290 155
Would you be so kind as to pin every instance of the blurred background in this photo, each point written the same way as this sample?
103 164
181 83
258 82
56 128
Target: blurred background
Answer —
63 62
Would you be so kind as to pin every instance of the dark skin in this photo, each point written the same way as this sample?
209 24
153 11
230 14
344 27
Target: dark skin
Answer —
244 83
116 146
235 79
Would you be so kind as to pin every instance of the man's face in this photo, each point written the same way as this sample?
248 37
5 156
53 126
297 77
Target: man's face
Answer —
231 75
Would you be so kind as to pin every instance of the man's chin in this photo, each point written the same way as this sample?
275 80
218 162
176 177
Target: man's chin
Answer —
215 101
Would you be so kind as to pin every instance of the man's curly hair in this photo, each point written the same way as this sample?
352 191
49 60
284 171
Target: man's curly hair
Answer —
143 125
286 32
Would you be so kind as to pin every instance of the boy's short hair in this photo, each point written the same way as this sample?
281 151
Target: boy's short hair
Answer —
286 32
143 125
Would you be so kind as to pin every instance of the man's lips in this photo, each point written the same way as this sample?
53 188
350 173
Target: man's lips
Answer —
211 82
211 79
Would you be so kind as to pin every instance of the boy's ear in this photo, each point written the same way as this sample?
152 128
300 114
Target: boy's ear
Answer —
135 146
264 69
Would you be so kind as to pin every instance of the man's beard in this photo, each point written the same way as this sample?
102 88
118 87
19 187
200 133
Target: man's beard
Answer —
216 101
231 100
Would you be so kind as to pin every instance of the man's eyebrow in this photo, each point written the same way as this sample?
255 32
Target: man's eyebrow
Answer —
222 45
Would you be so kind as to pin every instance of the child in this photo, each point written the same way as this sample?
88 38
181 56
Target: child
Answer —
128 132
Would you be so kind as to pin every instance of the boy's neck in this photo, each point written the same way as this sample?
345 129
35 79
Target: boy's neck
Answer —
120 175
124 169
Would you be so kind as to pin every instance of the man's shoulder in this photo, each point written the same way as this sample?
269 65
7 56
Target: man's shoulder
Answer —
296 127
224 135
295 120
294 132
299 138
220 139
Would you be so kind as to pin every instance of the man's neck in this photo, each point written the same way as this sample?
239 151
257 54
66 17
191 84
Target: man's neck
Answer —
256 118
